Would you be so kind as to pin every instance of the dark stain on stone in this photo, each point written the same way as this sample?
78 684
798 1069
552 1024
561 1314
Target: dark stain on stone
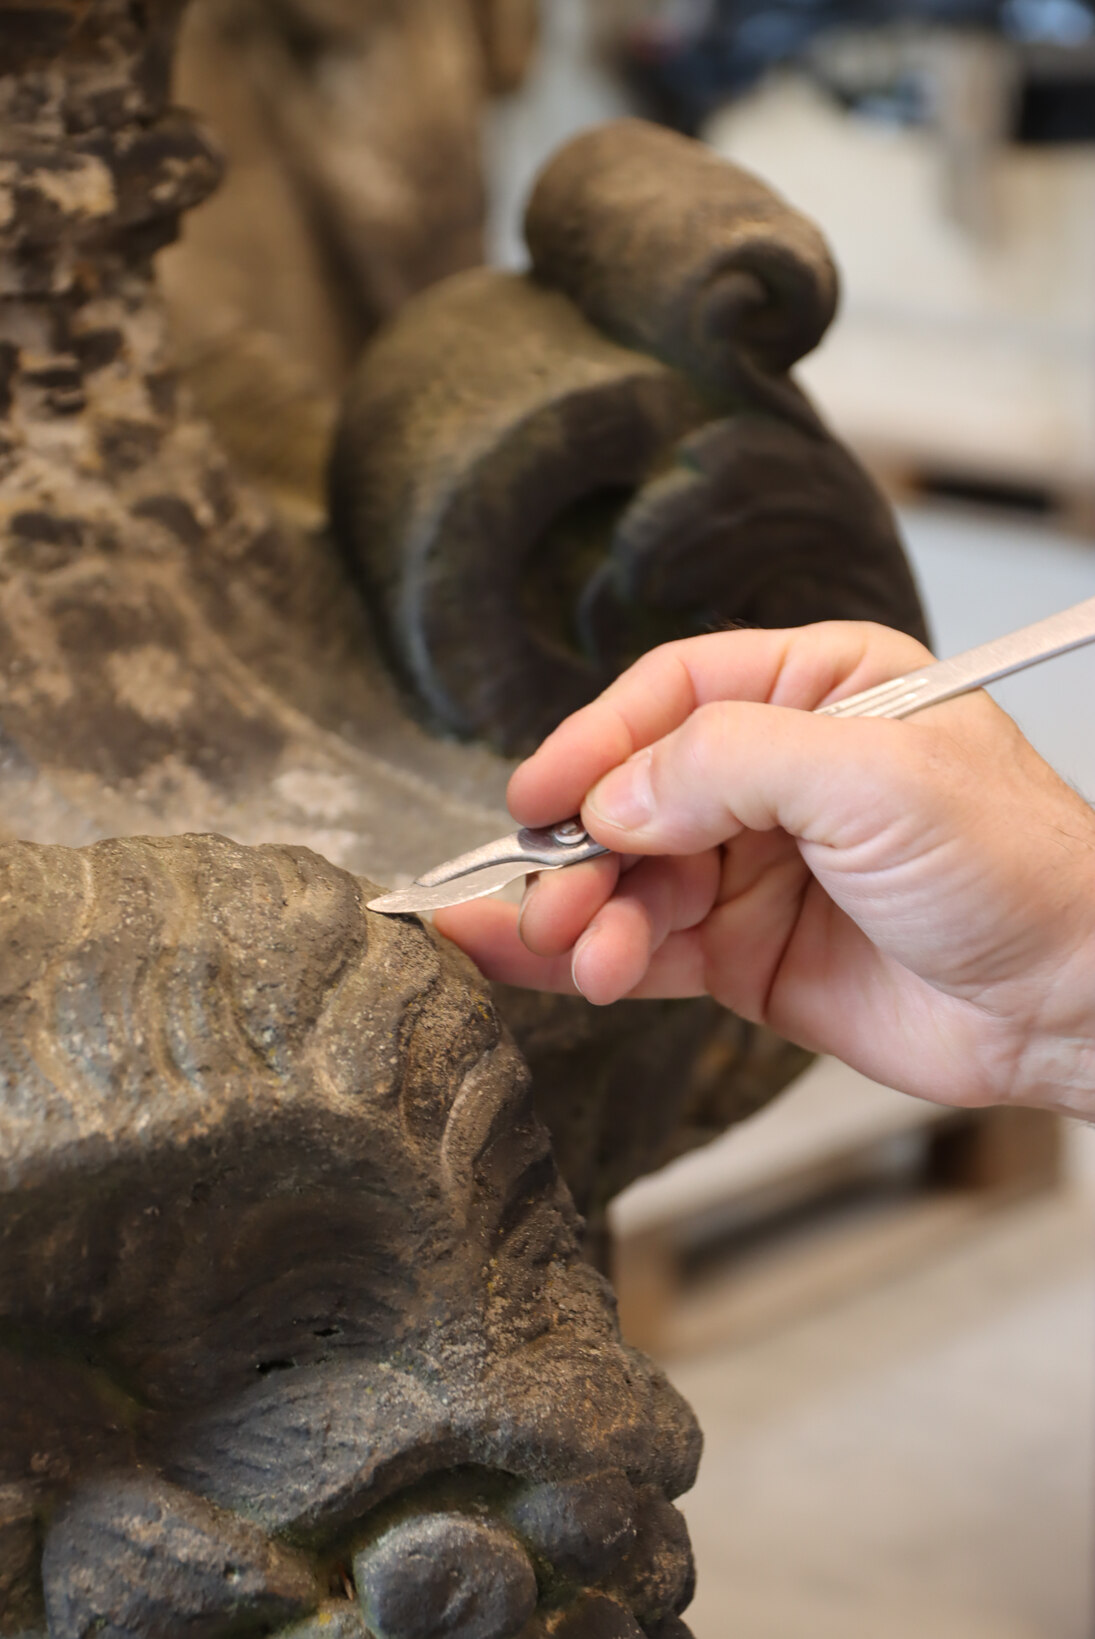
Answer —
66 400
97 348
63 372
125 445
35 36
163 392
171 163
44 542
9 359
219 493
174 514
50 527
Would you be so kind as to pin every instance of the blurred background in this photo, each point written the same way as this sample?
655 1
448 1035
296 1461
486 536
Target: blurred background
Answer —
884 1314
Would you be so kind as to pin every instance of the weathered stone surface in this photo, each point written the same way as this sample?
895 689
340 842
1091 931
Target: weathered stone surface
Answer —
92 162
130 1557
156 995
171 659
79 68
353 1434
671 250
61 206
445 1576
657 1580
605 1128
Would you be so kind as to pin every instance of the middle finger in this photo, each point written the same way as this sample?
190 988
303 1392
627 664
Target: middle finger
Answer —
558 905
662 895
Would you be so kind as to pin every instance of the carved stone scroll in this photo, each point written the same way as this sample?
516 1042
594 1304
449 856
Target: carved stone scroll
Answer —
540 476
677 253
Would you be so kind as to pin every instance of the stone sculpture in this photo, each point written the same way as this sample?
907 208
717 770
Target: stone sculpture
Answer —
292 1289
290 1294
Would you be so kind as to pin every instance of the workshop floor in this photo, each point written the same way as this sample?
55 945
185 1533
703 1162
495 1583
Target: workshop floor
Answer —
916 1463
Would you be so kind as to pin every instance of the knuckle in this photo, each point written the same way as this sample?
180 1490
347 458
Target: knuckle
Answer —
689 758
880 644
708 728
888 640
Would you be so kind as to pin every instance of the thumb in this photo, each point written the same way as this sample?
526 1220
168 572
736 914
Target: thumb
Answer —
738 765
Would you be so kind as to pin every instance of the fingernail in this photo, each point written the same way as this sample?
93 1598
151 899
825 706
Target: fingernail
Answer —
624 798
583 945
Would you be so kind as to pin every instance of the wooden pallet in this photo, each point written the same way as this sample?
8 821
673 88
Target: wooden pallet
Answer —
1067 503
836 1186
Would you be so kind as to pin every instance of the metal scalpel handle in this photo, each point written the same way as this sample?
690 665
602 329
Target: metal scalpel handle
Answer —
483 870
944 679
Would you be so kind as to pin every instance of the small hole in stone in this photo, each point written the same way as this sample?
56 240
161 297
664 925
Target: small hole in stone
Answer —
328 1331
264 1367
232 1573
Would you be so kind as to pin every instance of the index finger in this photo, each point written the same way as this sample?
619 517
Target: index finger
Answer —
802 666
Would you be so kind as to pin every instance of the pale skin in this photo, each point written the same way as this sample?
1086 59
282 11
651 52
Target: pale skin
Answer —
915 897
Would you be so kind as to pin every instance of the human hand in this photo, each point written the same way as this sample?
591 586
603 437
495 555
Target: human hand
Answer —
917 898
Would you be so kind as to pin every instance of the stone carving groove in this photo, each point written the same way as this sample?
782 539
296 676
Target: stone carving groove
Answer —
290 1288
